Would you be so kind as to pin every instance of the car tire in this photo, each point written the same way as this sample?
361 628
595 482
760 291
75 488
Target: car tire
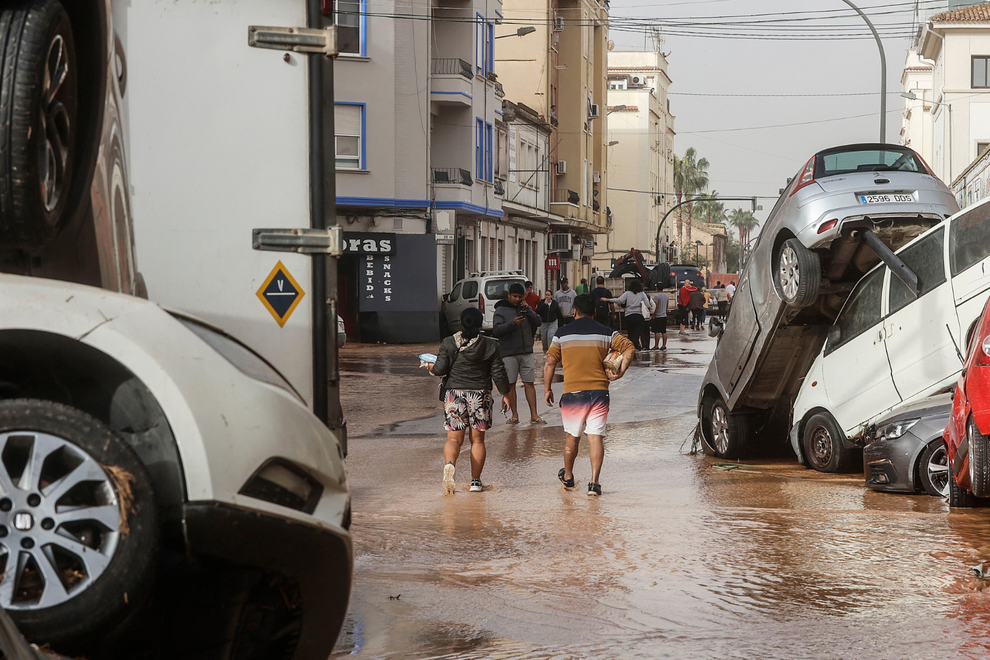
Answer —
797 272
959 498
444 327
822 444
80 508
979 461
933 469
728 433
38 110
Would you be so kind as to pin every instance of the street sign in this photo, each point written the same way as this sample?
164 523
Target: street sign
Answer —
280 294
553 262
445 239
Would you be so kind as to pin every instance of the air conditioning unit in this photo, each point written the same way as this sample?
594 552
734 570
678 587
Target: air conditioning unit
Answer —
560 242
561 167
596 177
636 80
594 111
558 24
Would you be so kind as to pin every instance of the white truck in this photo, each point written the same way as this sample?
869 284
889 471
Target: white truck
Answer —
162 481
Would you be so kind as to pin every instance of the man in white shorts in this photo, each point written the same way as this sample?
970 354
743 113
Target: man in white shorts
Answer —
514 325
581 347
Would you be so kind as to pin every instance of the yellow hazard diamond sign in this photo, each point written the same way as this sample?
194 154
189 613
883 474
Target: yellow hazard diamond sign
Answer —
280 294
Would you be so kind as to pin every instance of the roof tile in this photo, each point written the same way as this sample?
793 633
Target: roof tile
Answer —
975 14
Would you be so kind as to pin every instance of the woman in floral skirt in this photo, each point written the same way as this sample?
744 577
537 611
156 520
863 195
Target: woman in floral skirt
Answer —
471 362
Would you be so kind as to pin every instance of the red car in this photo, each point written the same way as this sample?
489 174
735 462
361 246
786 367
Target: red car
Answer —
968 432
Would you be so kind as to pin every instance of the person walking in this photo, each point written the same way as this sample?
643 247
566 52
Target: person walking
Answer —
722 299
603 312
659 323
697 305
532 298
633 318
581 347
583 289
549 312
471 362
514 325
565 298
683 301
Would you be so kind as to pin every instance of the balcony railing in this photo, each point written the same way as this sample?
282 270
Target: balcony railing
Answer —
453 175
564 196
451 66
499 188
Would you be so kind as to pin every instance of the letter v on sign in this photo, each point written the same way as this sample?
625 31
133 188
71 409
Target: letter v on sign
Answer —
280 294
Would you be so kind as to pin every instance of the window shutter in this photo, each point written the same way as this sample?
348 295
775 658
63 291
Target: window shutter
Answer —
347 120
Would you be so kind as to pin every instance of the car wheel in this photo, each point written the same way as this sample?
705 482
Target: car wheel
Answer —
444 327
727 432
797 272
959 498
933 469
38 102
823 448
78 524
979 461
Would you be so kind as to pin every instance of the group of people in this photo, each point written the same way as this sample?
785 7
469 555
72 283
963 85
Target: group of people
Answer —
692 303
471 363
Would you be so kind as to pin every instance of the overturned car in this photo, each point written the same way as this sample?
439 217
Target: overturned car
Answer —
844 212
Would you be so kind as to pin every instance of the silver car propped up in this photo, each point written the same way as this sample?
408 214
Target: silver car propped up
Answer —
844 212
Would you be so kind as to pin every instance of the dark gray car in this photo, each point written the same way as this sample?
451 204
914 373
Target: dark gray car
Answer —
906 453
846 210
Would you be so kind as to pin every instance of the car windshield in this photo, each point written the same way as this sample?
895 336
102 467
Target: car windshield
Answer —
499 289
867 160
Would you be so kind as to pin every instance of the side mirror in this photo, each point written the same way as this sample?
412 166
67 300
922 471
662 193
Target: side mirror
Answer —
446 297
834 335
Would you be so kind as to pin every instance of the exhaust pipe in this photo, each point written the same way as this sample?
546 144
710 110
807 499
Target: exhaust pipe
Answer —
843 249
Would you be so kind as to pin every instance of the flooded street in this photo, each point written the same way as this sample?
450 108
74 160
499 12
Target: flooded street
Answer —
683 556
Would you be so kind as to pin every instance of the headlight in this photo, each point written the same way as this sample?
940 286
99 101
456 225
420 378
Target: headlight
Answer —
247 361
895 430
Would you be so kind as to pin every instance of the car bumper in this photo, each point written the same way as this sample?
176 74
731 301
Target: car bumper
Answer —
319 559
888 464
860 216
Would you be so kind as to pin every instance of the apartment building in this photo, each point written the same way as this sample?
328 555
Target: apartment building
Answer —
640 145
560 71
916 120
957 42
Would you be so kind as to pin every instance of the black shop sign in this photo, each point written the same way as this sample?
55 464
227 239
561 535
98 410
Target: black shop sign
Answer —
368 243
405 281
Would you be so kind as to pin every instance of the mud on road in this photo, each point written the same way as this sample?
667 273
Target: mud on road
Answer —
683 556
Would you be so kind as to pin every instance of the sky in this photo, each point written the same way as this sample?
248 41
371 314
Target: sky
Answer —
759 161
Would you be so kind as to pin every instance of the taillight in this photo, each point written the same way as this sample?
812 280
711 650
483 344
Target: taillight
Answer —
481 303
828 225
983 353
807 176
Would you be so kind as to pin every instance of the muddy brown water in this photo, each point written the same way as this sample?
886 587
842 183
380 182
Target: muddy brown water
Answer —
682 557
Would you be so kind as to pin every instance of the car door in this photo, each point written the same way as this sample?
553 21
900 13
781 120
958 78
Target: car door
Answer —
855 370
969 263
452 308
920 348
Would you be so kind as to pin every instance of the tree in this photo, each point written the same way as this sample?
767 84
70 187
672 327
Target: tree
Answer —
744 222
712 210
694 179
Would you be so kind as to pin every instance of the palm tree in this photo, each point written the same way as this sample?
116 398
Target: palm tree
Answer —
744 222
679 194
711 209
694 172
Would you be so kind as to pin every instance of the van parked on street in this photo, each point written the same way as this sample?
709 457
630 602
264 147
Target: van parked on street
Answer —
481 290
890 345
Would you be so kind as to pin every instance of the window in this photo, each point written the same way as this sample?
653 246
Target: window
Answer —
470 289
490 48
969 239
488 152
349 135
484 40
981 148
479 149
862 310
845 161
499 289
455 294
981 68
925 259
350 20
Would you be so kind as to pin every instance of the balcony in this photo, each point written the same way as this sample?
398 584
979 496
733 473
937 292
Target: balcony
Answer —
452 176
452 80
499 188
564 196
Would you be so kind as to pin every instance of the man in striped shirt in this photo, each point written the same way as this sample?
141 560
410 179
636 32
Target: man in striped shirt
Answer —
581 347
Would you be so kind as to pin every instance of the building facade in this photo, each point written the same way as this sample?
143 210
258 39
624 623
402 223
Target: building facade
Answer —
957 42
641 156
560 72
916 120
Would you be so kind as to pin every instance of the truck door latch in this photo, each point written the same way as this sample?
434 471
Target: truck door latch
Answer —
298 40
303 241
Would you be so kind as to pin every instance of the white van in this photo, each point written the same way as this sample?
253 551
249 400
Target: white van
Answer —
481 290
888 346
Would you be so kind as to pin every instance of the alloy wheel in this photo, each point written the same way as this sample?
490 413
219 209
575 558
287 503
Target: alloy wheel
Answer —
788 272
720 429
53 148
938 470
821 446
59 520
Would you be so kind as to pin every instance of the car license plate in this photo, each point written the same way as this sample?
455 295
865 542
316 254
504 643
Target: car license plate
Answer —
886 199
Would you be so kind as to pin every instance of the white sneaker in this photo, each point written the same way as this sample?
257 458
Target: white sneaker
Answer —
477 486
448 479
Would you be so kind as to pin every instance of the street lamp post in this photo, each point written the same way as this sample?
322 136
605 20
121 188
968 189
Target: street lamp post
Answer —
521 32
883 72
